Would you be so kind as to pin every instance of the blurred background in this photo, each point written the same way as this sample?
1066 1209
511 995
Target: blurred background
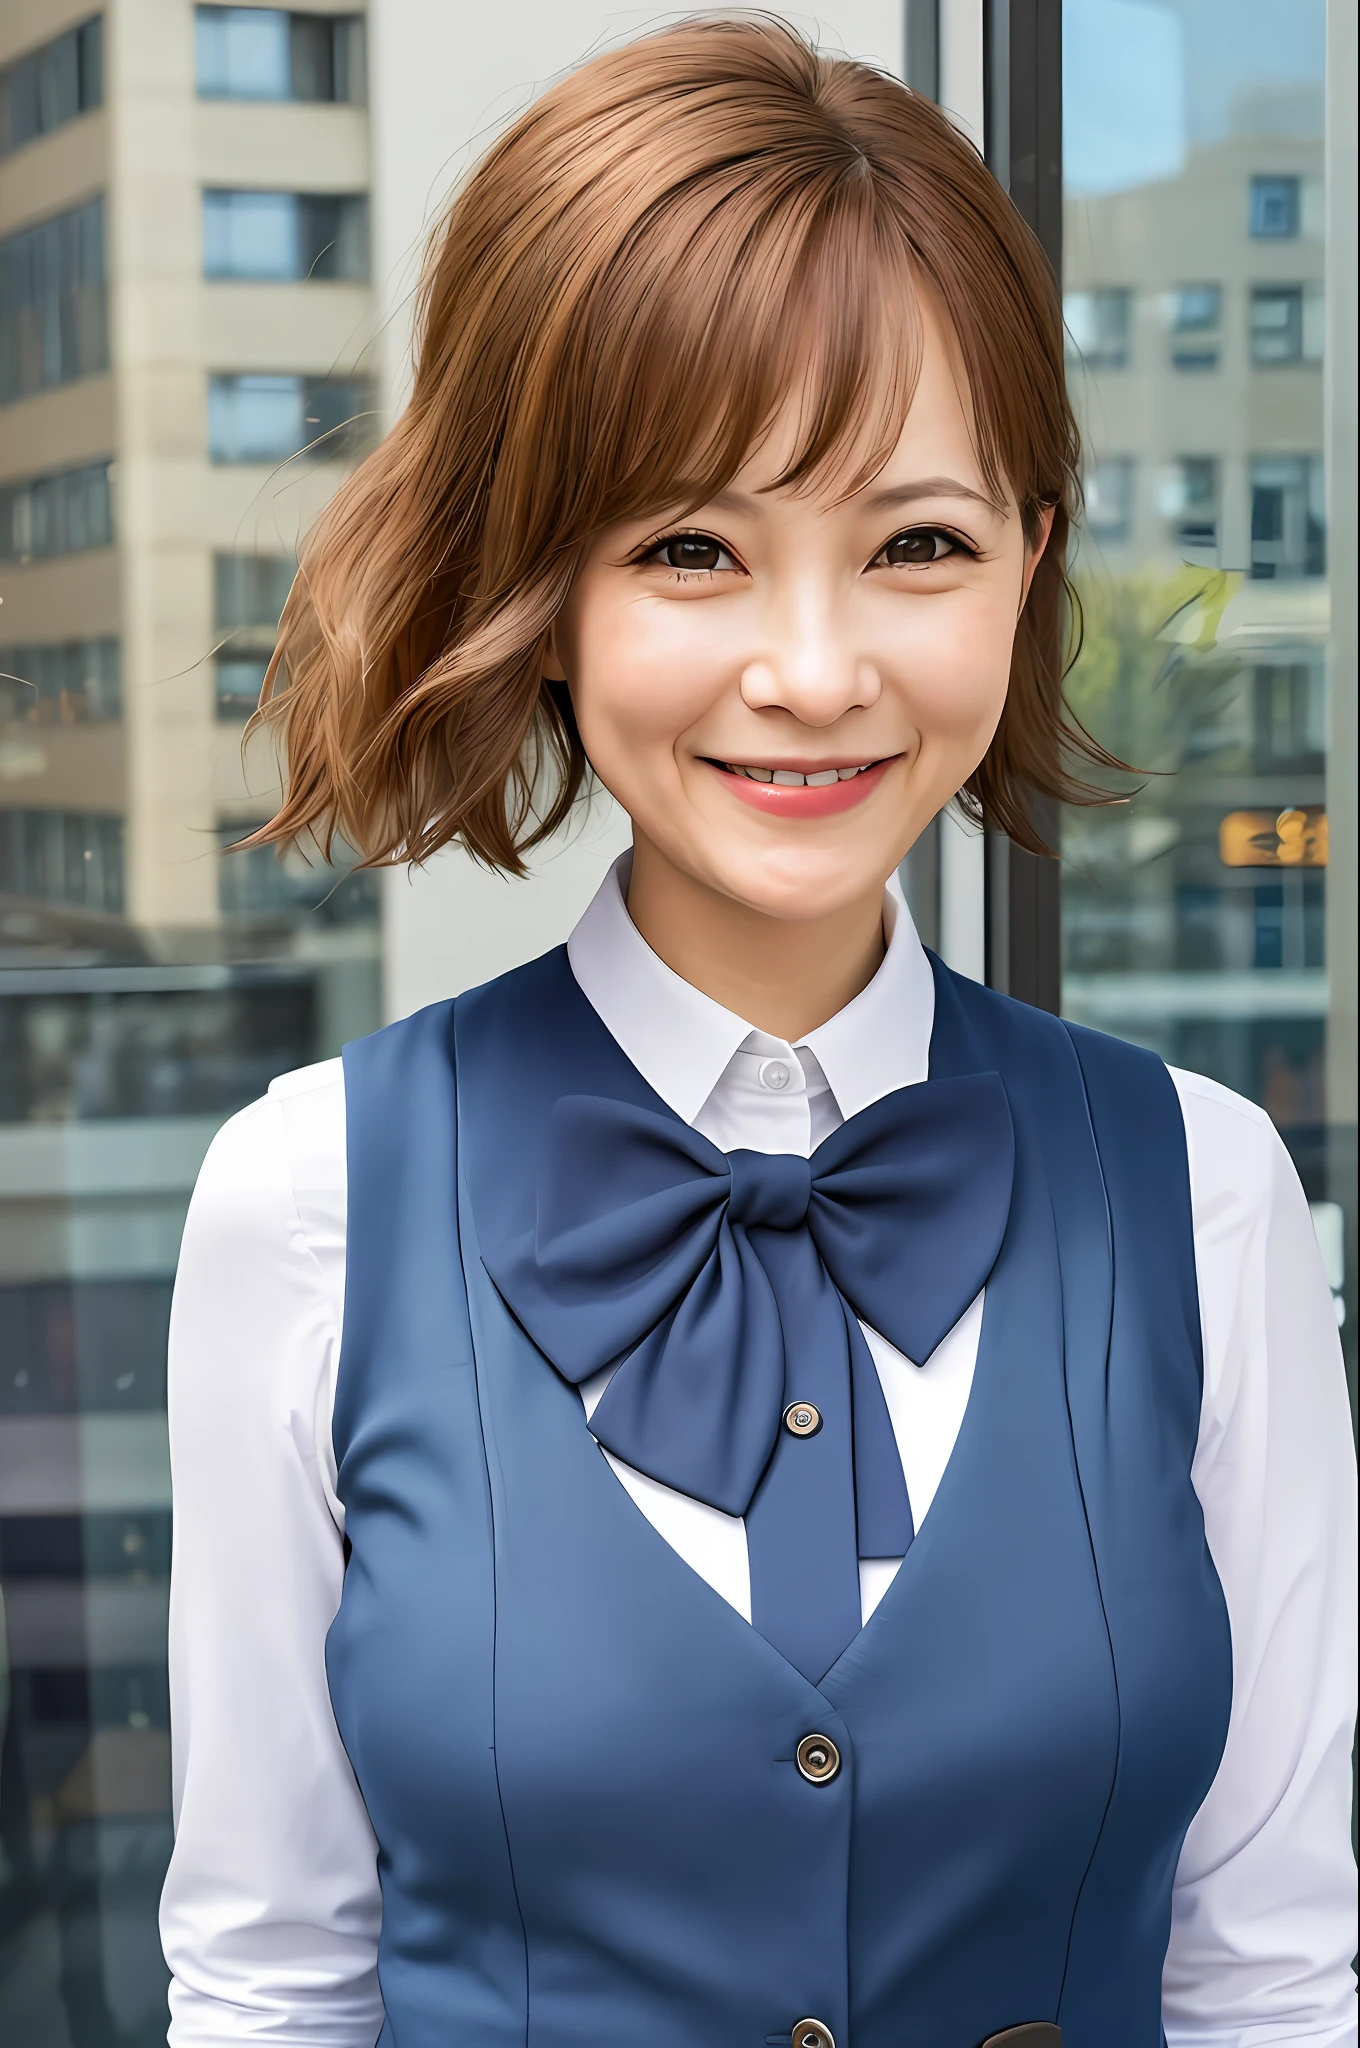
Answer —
210 220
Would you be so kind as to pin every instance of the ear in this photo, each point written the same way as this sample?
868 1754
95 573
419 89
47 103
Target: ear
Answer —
1034 552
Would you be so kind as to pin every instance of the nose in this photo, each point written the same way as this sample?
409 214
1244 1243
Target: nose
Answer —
811 664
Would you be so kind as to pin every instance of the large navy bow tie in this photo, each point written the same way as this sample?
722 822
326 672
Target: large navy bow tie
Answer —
725 1287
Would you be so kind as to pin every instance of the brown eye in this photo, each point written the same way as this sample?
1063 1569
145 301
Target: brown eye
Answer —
691 551
914 550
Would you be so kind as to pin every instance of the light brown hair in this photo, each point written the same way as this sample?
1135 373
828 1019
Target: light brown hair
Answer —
613 309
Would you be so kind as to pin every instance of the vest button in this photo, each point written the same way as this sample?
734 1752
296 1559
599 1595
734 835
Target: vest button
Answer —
813 2034
818 1760
802 1419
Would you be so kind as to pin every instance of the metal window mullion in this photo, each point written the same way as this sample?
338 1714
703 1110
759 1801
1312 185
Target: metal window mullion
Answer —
1023 59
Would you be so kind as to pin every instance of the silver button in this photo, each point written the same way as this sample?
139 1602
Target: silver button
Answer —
775 1074
813 2034
818 1759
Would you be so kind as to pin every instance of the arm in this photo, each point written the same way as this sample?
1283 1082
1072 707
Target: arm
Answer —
1263 1919
271 1909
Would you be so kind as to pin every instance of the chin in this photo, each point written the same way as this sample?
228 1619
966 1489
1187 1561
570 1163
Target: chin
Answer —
797 887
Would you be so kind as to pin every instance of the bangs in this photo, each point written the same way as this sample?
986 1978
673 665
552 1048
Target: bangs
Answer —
724 307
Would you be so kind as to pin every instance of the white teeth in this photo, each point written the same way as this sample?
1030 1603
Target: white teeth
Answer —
791 778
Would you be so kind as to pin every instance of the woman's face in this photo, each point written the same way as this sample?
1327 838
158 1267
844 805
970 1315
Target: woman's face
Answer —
782 689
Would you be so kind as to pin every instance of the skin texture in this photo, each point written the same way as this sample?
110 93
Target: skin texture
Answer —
796 629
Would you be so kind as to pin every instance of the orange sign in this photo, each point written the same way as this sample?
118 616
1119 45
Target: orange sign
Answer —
1270 839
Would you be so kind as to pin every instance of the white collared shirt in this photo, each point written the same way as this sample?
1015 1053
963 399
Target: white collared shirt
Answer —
271 1911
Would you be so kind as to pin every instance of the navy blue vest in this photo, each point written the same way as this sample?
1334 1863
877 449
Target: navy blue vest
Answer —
579 1760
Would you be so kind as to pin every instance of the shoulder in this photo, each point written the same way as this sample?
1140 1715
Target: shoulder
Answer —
1240 1169
274 1175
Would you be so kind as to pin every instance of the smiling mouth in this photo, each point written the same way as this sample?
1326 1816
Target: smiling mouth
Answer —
796 778
808 792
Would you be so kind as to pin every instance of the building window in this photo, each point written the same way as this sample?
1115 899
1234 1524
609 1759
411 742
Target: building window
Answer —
260 886
1288 516
240 679
56 515
1289 717
260 53
1109 498
1277 324
1098 326
53 303
1194 317
52 86
1273 210
62 857
276 237
267 419
1191 503
249 591
66 682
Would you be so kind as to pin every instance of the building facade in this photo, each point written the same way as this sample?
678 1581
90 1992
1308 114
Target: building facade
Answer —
185 330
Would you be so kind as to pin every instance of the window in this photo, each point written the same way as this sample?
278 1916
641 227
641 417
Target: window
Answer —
250 591
1194 317
1109 498
1191 504
240 679
1289 721
1098 324
53 303
267 419
259 53
281 236
1288 516
56 515
1277 324
62 857
69 682
52 86
1273 210
258 887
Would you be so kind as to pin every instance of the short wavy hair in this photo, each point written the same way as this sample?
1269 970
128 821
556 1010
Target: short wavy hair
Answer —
613 309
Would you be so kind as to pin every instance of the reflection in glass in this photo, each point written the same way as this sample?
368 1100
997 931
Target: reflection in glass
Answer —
1195 915
150 985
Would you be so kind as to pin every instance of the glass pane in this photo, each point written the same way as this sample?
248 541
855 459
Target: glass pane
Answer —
242 53
250 235
254 419
1196 916
151 983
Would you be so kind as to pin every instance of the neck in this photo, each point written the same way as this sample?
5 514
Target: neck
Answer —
782 976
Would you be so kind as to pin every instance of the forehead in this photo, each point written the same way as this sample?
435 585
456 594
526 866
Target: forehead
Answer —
918 424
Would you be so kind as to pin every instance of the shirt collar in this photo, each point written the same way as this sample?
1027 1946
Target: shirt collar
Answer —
682 1042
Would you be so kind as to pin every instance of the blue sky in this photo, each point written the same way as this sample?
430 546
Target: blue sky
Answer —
1143 80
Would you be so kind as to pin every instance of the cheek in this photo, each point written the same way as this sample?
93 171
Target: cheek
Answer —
642 673
953 664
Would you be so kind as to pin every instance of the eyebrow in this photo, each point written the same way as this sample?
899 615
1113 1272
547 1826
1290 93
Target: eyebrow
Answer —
930 487
881 501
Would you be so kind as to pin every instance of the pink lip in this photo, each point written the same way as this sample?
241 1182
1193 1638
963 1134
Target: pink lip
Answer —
780 800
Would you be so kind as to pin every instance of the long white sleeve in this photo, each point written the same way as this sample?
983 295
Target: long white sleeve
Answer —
271 1909
1263 1926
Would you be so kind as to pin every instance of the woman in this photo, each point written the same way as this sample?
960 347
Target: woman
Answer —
826 1523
